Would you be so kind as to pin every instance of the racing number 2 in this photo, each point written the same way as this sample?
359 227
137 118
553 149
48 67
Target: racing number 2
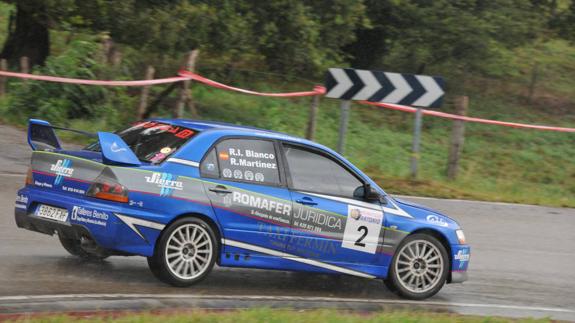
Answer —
362 228
358 242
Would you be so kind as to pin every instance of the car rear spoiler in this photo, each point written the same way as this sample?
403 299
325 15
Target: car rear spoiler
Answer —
41 136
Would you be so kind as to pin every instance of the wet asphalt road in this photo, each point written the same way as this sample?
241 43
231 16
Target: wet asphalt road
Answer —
522 264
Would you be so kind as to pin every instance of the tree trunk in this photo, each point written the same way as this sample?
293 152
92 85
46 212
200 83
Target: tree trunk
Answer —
28 36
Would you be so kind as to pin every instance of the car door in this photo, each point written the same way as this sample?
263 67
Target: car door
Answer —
244 182
331 221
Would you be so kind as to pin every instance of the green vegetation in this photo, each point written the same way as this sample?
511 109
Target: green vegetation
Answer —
270 315
490 51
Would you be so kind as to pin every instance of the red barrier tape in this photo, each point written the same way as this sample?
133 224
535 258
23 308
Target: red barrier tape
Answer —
318 90
91 82
466 119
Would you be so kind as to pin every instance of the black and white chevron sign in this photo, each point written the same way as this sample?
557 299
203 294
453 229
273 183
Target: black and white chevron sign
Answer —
376 86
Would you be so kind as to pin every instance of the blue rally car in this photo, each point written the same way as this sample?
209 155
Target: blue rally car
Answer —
188 194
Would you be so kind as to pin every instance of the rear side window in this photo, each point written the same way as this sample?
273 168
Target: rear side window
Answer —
209 166
152 141
313 172
248 160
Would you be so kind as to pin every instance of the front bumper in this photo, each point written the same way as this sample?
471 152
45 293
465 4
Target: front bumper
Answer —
460 257
458 276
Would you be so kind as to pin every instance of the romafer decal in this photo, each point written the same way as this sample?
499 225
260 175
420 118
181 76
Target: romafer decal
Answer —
362 229
280 211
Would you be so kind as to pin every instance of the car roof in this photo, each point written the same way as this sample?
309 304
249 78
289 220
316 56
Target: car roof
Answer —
229 128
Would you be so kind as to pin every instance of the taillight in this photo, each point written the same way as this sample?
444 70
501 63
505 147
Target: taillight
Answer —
107 188
29 177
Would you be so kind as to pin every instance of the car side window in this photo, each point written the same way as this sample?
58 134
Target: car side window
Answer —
313 172
248 160
209 166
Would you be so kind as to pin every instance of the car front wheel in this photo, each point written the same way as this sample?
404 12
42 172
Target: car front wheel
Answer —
185 253
419 268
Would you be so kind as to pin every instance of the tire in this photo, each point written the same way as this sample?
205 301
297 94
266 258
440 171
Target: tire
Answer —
74 247
423 265
185 253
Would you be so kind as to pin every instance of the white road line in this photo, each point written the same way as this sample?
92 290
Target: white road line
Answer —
278 298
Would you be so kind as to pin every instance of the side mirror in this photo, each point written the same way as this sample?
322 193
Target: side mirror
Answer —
370 194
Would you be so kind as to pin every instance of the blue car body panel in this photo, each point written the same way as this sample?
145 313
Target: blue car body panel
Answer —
260 226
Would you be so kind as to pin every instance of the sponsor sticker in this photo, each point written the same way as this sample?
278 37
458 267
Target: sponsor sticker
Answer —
261 203
168 183
91 216
315 220
437 220
137 203
116 148
362 229
62 168
463 257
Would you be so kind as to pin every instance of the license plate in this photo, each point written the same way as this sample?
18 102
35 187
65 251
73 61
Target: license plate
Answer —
52 213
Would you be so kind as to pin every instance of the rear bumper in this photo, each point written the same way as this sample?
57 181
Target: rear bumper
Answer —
112 226
31 222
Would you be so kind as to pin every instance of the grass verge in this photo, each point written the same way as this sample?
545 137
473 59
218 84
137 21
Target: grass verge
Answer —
270 315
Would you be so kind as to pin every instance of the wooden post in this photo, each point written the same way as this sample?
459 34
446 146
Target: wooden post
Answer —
312 122
457 138
24 64
344 120
24 67
106 48
185 98
533 82
145 93
3 67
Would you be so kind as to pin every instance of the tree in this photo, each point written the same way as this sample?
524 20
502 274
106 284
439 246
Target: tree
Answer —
28 33
412 35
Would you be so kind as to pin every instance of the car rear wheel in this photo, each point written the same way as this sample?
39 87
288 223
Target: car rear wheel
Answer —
185 253
75 248
419 268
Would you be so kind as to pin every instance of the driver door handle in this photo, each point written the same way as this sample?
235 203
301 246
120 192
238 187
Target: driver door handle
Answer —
220 189
306 201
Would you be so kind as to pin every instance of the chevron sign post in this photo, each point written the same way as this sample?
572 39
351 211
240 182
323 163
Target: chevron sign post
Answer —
375 86
406 89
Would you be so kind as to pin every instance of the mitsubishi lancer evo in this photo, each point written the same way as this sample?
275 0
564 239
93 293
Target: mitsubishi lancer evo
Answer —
189 194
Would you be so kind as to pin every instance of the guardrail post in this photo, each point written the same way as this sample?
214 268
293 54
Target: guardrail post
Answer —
143 106
457 138
3 67
312 122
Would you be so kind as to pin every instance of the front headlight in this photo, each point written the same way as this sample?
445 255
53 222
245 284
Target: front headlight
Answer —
460 236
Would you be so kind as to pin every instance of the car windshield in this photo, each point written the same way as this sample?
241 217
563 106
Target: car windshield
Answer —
152 141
